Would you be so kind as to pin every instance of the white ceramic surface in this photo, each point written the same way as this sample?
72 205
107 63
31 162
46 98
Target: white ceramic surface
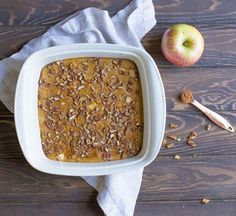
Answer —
26 110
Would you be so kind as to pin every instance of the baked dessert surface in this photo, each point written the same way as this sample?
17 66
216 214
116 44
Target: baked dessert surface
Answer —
90 109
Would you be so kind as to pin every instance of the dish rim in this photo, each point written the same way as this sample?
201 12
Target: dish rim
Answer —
74 168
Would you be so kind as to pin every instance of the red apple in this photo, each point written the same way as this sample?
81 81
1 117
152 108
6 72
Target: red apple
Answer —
182 45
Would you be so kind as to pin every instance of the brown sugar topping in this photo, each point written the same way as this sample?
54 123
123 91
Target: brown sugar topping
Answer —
173 125
90 109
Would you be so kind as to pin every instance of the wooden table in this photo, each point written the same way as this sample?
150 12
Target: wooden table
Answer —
169 187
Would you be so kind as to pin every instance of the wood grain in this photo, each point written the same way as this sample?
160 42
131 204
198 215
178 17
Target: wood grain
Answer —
201 11
160 208
21 183
213 87
49 12
214 142
180 208
13 38
50 209
190 178
219 51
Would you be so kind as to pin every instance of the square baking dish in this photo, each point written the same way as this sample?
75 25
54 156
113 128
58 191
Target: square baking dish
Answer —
26 109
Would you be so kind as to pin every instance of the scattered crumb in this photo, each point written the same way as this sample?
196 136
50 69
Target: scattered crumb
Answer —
164 141
173 125
192 135
208 127
169 145
173 137
205 201
191 143
177 157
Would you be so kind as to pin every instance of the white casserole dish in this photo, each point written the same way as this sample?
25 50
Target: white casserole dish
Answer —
26 109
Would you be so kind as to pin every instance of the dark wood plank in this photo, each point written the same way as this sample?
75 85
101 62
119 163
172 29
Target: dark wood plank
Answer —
184 208
4 111
213 87
50 209
190 178
219 51
9 146
160 208
201 11
21 183
13 38
49 12
213 142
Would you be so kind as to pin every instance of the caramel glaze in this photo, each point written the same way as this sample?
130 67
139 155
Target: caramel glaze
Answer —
90 109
